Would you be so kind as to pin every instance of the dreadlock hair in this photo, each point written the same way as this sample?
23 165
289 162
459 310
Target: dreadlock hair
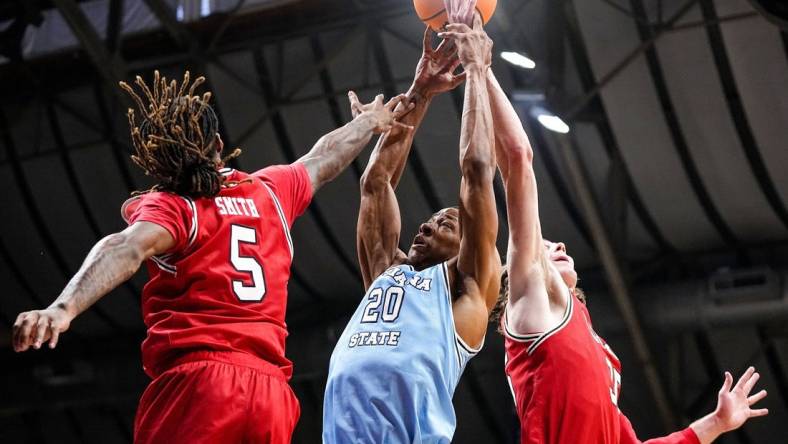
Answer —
503 299
175 143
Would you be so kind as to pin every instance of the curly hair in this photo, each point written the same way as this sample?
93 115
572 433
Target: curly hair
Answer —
175 143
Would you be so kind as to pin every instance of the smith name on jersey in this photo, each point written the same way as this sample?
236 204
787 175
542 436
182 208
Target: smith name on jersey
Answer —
395 367
223 286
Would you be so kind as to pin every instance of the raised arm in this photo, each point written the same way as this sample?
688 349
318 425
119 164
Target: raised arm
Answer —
477 277
733 410
511 142
379 226
112 261
529 271
334 151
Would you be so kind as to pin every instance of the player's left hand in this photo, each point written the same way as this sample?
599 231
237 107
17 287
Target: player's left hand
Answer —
435 70
733 405
382 116
460 11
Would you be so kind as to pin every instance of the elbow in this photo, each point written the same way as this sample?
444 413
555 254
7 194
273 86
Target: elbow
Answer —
372 184
519 151
520 160
478 168
120 244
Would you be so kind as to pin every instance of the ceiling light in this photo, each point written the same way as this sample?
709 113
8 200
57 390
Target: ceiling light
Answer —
517 59
553 123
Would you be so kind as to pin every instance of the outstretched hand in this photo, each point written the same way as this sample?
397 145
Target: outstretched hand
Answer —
733 405
460 11
36 327
435 71
384 116
475 47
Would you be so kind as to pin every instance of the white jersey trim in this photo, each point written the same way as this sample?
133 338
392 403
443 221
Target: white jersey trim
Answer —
162 261
509 379
164 265
195 223
564 321
508 331
282 218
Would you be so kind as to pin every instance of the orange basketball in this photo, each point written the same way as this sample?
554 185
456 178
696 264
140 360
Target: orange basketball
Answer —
433 13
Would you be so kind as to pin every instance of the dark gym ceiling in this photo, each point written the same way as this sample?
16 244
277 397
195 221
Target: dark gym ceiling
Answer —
677 110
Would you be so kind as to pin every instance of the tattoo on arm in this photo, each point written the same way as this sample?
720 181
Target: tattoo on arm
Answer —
112 261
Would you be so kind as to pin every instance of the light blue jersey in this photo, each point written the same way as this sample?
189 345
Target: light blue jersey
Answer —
394 370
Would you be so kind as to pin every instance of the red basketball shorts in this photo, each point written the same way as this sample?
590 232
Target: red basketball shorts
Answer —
217 397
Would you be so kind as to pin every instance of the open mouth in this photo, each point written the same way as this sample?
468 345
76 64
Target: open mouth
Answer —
418 242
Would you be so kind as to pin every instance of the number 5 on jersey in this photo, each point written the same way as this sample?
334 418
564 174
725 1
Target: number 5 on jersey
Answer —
246 264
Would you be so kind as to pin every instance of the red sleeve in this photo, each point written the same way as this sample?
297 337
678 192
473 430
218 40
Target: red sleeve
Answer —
164 209
292 187
686 436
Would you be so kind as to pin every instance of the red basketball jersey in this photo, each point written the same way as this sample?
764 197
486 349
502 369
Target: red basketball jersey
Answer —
565 382
223 286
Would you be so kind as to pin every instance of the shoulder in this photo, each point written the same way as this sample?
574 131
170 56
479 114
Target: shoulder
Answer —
275 173
140 202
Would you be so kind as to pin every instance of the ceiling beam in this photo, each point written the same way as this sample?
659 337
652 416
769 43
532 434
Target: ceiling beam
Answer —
582 187
669 112
111 68
571 112
586 74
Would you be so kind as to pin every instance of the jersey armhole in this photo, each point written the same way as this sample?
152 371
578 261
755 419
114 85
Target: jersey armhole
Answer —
511 334
282 217
561 324
535 339
464 351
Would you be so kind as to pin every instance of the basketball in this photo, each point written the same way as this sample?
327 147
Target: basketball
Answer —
433 12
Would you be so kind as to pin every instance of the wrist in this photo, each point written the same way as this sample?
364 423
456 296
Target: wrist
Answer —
65 308
419 94
708 428
366 120
476 69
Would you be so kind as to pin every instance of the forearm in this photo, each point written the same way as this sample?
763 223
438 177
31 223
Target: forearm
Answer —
478 214
110 263
393 148
628 436
477 157
707 428
510 137
335 150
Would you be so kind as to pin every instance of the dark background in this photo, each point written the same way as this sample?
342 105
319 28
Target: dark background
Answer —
679 117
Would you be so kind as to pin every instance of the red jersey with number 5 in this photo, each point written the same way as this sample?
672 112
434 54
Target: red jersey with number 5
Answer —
223 286
565 381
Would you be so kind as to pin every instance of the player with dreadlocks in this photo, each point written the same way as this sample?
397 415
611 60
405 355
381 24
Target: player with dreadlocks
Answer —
218 250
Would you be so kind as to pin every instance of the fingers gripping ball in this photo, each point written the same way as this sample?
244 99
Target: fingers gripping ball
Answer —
433 12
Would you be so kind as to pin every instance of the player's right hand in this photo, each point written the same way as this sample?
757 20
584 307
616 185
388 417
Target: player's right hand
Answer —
435 70
34 328
383 116
474 46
